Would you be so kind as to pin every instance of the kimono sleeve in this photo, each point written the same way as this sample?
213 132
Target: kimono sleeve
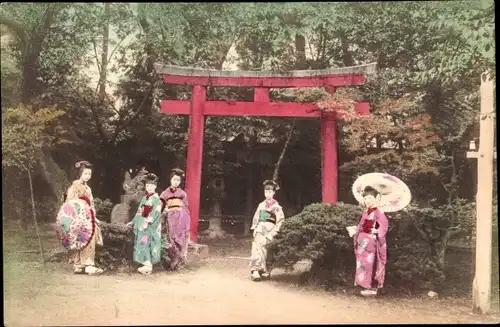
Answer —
383 225
155 214
280 218
70 194
163 195
185 200
358 229
138 214
255 219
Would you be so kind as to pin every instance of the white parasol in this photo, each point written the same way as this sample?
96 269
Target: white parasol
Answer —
395 195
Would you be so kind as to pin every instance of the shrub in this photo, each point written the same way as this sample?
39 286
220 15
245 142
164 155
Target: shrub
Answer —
318 233
46 211
103 209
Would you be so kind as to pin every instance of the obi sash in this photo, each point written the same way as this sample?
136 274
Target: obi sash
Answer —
175 204
368 225
267 216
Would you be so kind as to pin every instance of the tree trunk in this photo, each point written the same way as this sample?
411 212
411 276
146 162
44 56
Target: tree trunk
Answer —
33 208
29 84
150 75
439 247
249 203
300 52
104 54
346 54
283 151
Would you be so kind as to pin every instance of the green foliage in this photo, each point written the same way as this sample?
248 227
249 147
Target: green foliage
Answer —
429 56
23 134
410 264
10 76
457 217
103 209
318 234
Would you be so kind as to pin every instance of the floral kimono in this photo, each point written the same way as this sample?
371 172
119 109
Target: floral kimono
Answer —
266 223
147 230
371 249
77 227
175 228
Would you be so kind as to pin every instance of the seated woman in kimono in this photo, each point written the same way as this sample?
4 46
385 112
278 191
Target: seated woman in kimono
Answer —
266 223
370 245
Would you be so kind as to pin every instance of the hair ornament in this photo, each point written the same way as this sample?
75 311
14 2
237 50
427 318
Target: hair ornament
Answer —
271 183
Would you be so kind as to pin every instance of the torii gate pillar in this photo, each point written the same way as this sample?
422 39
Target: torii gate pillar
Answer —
195 156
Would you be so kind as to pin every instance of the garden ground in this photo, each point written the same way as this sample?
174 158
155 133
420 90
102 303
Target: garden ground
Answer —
216 290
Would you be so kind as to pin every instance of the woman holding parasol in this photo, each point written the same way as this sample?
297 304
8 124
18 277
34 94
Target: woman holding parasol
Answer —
378 193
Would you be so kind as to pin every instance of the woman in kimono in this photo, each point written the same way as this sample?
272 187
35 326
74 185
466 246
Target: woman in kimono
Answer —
370 245
175 223
77 227
147 227
266 224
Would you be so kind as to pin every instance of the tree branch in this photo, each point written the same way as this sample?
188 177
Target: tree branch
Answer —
123 124
50 14
17 29
282 155
98 62
117 46
95 117
420 231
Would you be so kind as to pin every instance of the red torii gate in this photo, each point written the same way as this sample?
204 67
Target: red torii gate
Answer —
199 107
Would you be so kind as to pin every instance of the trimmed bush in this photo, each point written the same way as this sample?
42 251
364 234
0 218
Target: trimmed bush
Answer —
318 233
103 209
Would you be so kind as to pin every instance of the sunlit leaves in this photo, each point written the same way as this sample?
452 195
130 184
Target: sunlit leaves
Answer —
23 134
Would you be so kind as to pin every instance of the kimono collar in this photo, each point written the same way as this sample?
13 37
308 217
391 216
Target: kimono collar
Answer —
171 189
370 210
269 203
148 195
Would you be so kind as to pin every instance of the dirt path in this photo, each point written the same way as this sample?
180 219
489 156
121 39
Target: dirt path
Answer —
217 292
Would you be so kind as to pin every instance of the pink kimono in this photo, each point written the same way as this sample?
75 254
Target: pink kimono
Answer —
371 249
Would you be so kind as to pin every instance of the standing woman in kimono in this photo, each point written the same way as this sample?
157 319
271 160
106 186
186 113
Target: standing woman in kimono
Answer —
175 223
77 227
266 224
375 191
370 245
147 227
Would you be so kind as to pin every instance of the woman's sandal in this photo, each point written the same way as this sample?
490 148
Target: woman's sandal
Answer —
92 270
145 270
79 271
368 292
255 276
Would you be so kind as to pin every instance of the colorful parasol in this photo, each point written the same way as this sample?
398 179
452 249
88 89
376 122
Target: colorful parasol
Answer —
395 195
75 225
